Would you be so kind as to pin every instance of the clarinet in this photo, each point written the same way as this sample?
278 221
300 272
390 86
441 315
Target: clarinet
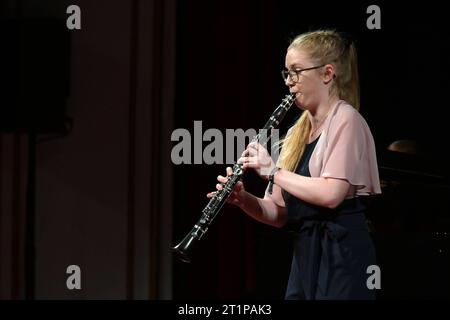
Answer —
212 209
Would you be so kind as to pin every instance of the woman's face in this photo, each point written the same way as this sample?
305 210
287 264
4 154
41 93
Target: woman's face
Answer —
309 84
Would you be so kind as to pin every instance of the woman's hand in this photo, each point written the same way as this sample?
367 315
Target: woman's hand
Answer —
237 195
256 157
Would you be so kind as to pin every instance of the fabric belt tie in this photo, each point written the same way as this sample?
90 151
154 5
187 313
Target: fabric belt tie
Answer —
324 235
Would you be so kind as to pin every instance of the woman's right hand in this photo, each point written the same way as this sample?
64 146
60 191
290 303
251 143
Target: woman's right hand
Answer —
237 195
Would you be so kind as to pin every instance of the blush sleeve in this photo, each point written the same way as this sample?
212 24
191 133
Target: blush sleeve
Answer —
350 153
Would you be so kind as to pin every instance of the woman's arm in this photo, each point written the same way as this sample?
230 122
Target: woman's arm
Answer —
325 192
269 210
264 210
321 191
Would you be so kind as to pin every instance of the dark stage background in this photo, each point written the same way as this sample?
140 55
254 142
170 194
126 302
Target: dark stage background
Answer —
228 65
87 117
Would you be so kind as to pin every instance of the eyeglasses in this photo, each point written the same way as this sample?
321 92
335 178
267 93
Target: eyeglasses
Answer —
293 74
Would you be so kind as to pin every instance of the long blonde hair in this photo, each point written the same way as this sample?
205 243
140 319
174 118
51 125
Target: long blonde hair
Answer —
323 47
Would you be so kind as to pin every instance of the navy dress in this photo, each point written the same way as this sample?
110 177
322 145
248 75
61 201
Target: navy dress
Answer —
332 248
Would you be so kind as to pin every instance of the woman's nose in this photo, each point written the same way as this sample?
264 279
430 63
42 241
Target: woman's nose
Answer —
288 82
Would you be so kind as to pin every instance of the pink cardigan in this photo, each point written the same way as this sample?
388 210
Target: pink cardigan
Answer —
346 150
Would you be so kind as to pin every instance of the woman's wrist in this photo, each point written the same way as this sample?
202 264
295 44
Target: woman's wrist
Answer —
276 173
272 178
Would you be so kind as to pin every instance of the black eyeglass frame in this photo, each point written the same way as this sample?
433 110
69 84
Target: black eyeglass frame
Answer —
296 72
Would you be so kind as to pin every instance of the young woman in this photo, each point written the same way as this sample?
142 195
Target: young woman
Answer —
326 167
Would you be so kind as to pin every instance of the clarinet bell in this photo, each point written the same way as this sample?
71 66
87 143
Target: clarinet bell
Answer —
183 249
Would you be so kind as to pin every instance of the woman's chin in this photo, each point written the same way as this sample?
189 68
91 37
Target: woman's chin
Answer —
299 105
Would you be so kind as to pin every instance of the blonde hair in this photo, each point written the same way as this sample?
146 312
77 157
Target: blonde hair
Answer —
323 47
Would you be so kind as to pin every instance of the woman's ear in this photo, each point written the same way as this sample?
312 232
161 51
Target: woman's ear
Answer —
329 73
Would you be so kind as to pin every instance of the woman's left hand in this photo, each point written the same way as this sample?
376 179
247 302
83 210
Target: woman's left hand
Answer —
256 157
